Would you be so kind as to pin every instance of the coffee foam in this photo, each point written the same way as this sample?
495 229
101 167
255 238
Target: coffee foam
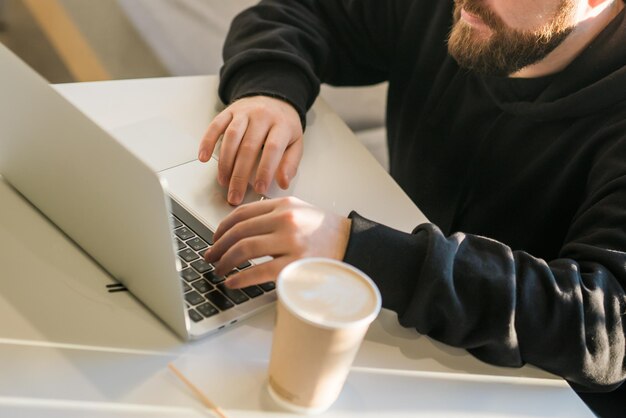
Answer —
328 293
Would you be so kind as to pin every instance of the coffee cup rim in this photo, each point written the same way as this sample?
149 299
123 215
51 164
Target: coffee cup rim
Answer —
329 324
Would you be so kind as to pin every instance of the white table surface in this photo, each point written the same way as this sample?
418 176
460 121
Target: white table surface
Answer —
68 348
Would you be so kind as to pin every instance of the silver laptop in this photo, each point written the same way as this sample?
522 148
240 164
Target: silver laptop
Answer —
117 208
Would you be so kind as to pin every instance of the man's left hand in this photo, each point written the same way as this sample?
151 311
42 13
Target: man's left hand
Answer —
286 229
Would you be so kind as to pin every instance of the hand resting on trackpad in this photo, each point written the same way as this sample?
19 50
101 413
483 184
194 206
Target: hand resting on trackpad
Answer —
194 185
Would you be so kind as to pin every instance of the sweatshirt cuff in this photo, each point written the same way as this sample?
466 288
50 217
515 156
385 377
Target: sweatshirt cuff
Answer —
269 78
391 258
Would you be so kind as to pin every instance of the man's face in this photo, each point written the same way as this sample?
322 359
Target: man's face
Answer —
501 37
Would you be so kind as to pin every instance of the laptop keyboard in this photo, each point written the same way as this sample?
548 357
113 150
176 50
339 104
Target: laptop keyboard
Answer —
205 292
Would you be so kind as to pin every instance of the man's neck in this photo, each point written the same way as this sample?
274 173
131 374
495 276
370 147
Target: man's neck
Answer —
593 21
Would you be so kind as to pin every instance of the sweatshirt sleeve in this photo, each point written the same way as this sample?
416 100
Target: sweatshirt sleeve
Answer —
505 307
285 49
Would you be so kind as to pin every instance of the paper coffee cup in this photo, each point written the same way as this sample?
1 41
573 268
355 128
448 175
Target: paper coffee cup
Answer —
323 312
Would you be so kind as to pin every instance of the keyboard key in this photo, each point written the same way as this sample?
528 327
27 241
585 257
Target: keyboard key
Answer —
268 287
235 295
244 265
186 287
189 275
210 276
175 222
179 244
209 237
252 291
188 255
197 244
202 286
195 316
201 266
207 309
219 300
194 297
184 233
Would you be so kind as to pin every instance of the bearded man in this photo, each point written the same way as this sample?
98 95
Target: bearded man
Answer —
506 124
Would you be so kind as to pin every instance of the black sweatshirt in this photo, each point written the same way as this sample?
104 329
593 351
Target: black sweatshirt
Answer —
524 180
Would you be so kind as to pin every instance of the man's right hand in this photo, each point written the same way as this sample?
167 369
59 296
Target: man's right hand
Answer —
253 126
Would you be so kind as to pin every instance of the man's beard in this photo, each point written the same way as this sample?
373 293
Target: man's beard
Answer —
504 51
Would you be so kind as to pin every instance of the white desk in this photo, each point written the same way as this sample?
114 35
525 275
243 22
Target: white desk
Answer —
87 352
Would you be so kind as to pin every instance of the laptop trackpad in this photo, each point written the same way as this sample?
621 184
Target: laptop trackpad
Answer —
172 154
194 186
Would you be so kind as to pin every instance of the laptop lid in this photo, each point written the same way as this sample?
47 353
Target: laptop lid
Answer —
96 191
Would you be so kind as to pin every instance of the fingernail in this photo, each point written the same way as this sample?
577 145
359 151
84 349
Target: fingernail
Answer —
207 255
259 186
228 282
285 182
202 156
234 197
